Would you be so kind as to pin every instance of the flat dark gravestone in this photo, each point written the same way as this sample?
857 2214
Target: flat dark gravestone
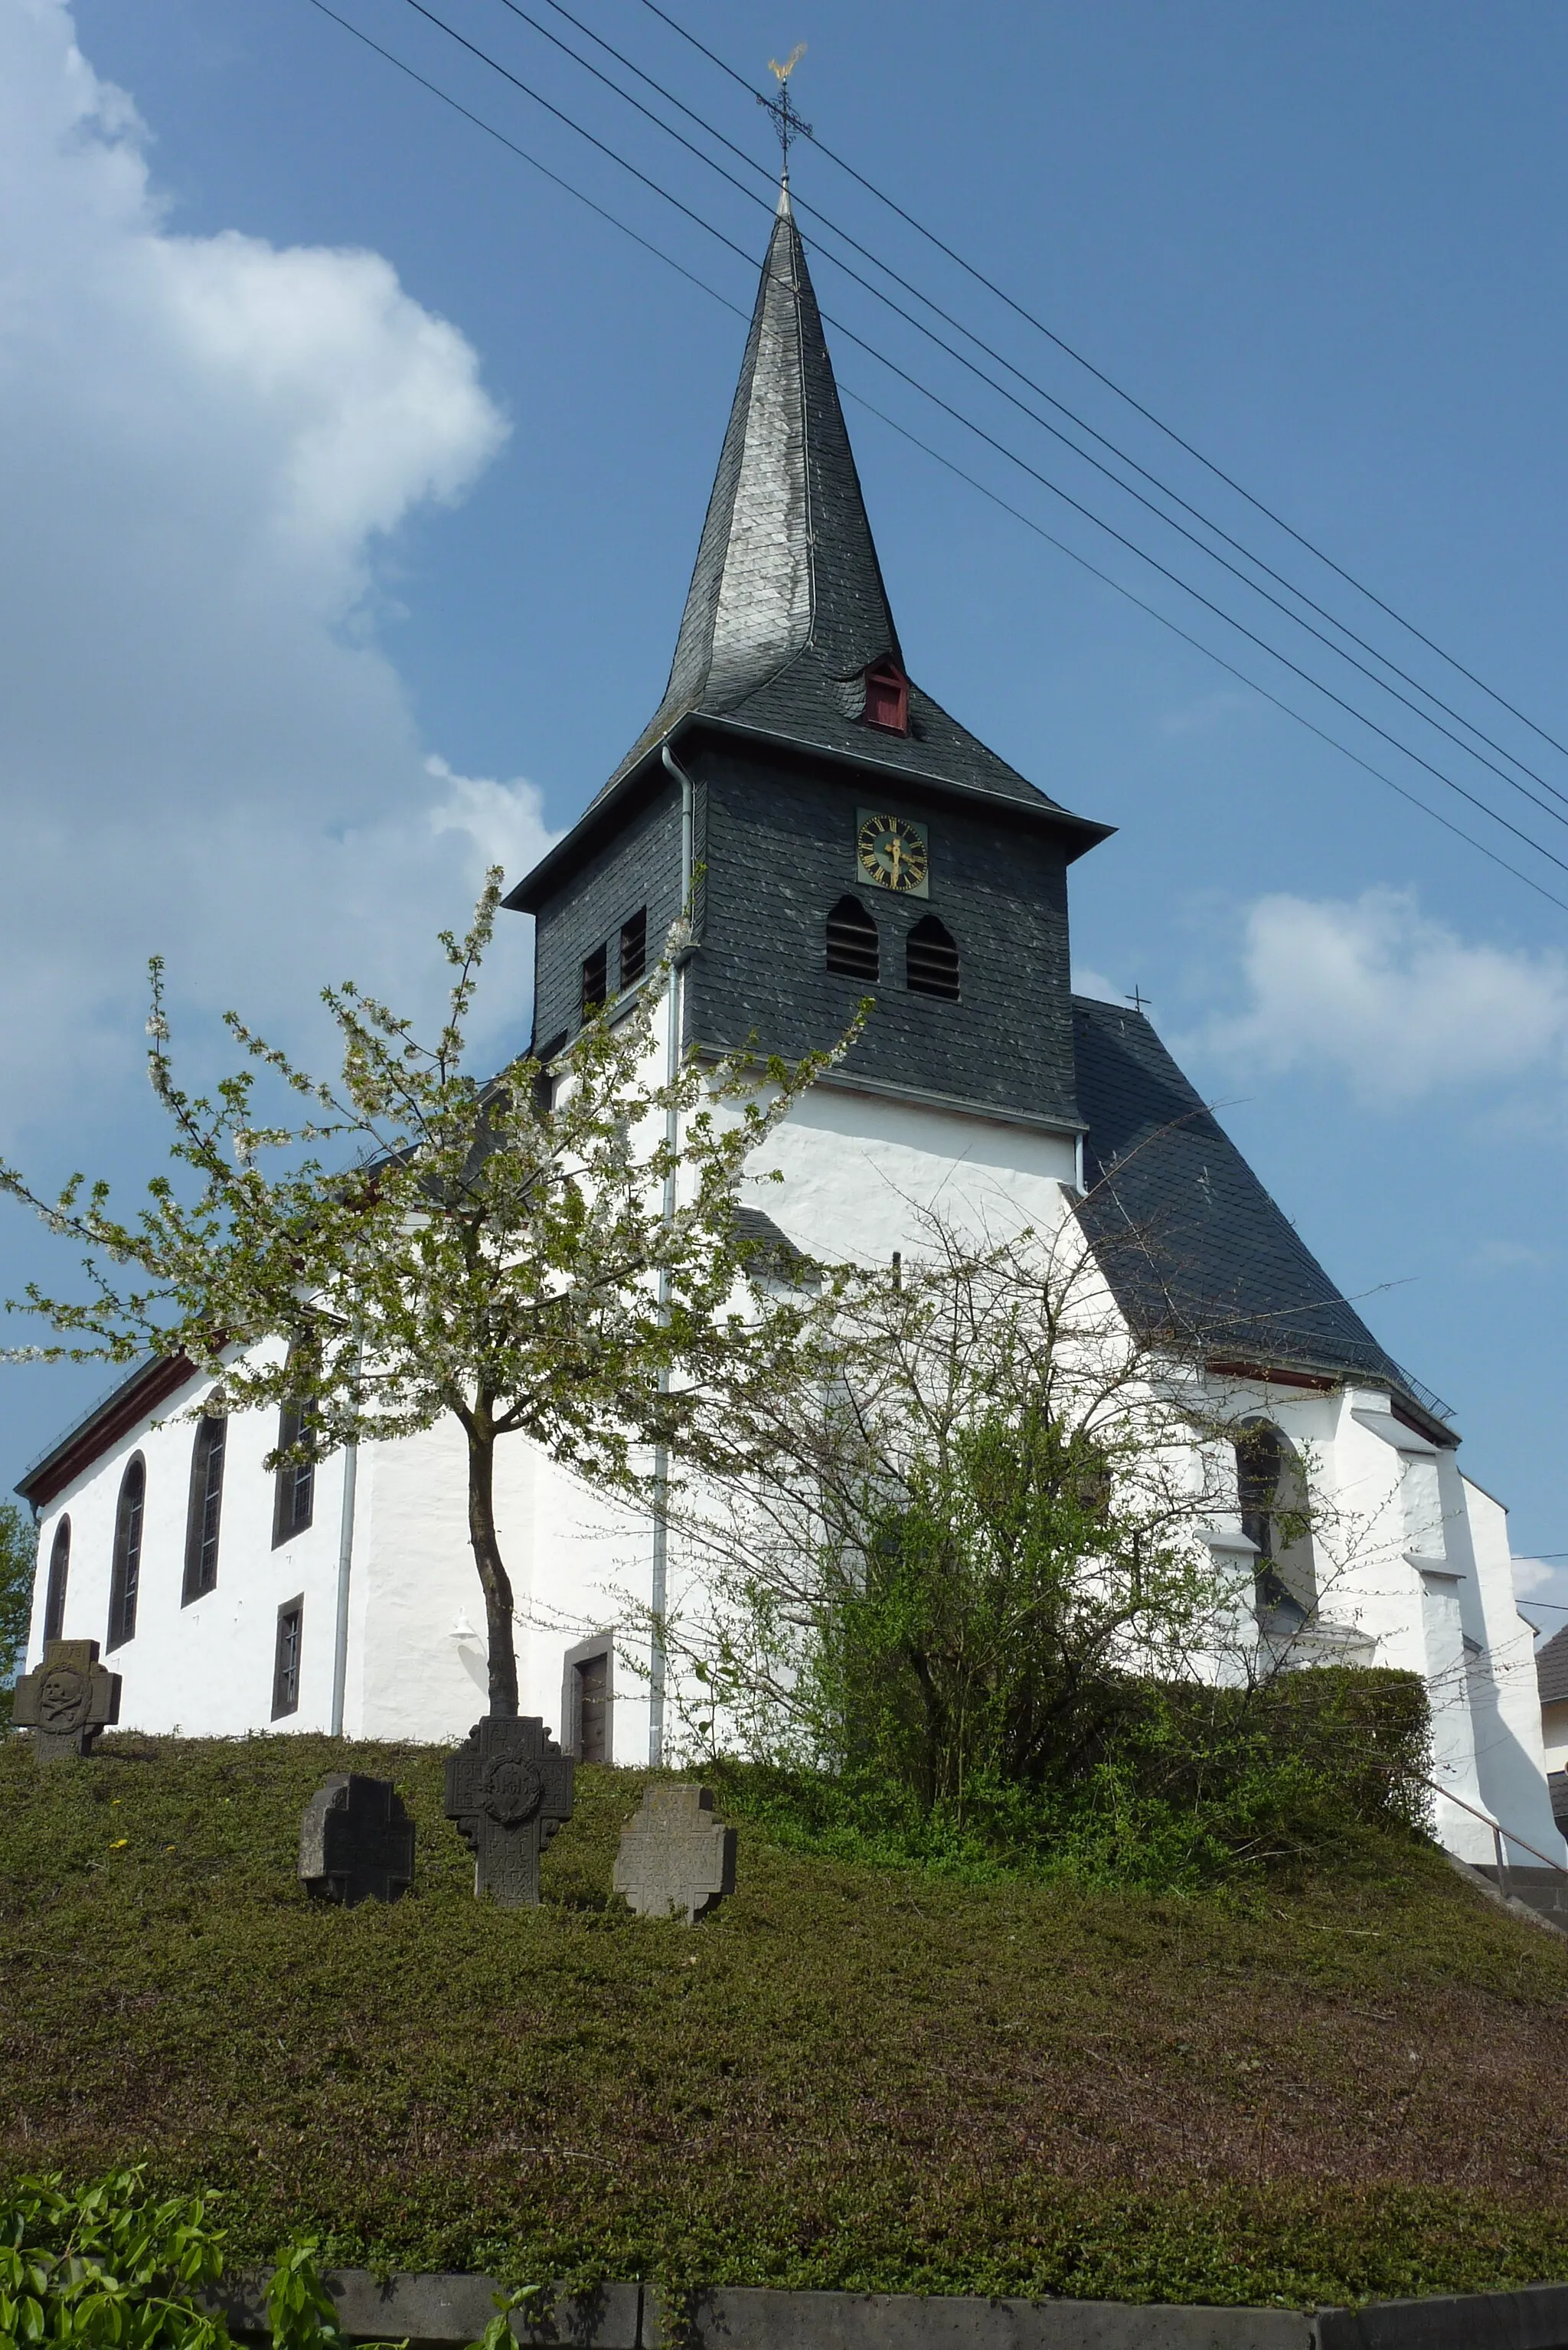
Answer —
676 1860
509 1788
66 1700
356 1841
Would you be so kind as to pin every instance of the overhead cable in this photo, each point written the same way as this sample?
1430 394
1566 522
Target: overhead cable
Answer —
1131 400
938 457
1013 457
1082 424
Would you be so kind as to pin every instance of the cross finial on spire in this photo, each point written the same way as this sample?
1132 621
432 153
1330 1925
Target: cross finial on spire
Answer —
787 122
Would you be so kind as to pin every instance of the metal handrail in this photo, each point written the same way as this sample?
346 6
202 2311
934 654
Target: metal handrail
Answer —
1498 1834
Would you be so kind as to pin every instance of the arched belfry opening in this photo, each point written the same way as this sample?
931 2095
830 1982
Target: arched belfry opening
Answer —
853 950
932 961
1272 1490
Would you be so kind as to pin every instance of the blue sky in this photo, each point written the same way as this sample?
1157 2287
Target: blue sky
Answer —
356 473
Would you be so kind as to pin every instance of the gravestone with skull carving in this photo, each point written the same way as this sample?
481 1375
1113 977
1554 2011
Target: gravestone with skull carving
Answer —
66 1700
508 1788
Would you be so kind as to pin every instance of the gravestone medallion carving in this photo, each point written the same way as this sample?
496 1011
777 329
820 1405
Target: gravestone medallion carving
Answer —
676 1860
66 1700
508 1788
356 1841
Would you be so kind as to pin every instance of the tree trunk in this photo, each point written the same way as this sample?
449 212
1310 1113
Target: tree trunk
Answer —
493 1576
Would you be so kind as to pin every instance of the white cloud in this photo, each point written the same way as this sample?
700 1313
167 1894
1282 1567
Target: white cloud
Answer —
1509 1256
1092 982
203 749
1391 1001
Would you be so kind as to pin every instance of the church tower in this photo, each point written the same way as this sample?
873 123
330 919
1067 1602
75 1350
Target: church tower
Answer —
850 838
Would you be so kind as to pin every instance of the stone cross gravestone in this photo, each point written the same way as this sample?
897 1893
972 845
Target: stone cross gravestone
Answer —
509 1788
356 1841
66 1700
676 1860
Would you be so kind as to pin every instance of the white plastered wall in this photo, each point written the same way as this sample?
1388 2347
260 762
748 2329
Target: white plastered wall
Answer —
205 1669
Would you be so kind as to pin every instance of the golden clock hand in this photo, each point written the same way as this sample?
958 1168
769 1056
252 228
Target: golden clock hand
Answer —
894 852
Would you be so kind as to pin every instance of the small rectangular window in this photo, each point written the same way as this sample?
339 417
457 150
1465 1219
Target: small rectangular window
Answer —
634 948
588 1700
595 981
294 1482
286 1658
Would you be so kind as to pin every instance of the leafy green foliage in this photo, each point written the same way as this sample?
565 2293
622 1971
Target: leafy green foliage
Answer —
1187 1786
113 2264
857 2074
550 1254
952 1560
18 1559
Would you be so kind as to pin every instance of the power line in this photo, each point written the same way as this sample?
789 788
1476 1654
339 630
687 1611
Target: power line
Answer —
1170 431
1012 456
1040 390
602 213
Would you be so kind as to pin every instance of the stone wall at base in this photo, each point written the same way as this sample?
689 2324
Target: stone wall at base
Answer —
447 2312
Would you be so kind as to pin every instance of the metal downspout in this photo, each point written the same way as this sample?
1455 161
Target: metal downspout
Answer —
344 1565
658 1585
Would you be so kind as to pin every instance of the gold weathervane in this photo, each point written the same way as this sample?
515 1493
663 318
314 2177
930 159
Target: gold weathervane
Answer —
786 121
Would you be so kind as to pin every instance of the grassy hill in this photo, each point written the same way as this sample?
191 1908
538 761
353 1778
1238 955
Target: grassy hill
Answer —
849 2076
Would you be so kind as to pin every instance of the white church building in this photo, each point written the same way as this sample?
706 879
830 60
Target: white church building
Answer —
848 838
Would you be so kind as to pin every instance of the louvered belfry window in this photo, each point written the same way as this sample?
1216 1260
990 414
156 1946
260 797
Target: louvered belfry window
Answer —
852 945
932 961
634 948
206 1507
595 981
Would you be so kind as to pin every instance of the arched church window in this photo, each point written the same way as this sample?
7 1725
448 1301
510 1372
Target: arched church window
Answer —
887 697
852 945
294 1480
205 1507
932 961
60 1571
1271 1493
125 1577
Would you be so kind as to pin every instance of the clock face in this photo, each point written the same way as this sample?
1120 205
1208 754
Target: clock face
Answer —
893 853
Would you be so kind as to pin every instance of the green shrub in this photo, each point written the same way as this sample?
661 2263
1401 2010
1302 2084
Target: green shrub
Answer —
1185 1786
111 2264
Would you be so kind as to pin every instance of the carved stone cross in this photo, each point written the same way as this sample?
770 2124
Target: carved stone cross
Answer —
509 1788
356 1841
675 1858
66 1700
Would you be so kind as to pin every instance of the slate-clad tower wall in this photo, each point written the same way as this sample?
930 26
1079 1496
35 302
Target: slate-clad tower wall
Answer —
780 834
768 708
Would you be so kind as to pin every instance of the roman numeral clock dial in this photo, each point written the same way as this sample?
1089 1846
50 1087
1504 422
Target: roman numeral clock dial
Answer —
892 852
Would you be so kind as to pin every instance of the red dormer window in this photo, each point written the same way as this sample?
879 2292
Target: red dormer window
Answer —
888 697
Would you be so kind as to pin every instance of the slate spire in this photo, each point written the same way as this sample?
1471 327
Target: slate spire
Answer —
786 611
786 567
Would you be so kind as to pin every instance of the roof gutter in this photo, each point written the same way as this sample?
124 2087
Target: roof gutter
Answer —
530 893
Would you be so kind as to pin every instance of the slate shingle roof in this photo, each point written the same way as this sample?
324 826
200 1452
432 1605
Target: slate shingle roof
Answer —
787 607
1191 1240
1551 1668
